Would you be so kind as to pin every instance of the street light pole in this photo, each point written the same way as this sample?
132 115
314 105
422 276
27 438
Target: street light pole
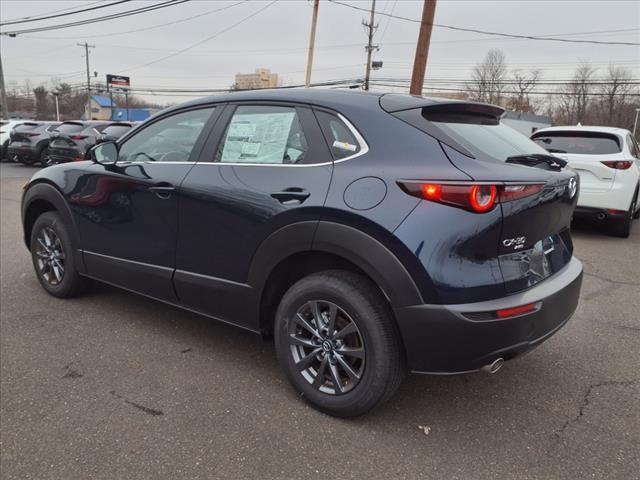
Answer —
55 95
635 124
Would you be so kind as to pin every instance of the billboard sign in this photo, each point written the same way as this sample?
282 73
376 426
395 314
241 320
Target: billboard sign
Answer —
118 81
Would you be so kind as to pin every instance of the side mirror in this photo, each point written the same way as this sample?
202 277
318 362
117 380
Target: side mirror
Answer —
105 153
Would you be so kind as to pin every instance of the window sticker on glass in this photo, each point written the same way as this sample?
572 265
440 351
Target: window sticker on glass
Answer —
345 146
254 135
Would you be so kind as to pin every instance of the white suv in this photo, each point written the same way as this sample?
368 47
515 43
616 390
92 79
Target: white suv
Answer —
5 131
608 162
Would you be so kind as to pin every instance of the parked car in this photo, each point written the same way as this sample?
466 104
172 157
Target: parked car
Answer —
30 142
5 130
72 140
114 131
370 234
608 161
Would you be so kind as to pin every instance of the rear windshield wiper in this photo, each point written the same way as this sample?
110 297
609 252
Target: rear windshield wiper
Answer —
547 162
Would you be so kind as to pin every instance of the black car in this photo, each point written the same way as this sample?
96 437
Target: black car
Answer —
114 131
30 142
71 141
370 234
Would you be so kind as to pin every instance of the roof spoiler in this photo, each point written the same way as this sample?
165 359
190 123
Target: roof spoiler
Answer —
396 103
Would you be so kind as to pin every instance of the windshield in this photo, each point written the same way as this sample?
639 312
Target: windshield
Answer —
490 138
584 143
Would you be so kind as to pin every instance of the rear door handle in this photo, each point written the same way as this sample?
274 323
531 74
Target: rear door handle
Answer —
162 191
291 196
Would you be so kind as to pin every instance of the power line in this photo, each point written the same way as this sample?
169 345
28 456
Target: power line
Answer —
37 19
152 27
127 13
224 30
54 11
497 34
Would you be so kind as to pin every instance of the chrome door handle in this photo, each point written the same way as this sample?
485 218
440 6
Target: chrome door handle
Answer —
162 191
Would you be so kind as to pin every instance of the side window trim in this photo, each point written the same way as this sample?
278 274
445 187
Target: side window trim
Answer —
364 146
198 145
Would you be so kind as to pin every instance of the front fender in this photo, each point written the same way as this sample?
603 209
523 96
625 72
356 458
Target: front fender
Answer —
42 191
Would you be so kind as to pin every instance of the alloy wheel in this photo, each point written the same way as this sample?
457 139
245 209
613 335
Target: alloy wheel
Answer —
327 348
50 256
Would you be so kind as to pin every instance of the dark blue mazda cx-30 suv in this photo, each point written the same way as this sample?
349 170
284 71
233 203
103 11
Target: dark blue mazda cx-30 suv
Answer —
369 234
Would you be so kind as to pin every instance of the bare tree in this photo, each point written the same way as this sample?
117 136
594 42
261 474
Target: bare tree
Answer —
615 95
523 84
488 78
574 98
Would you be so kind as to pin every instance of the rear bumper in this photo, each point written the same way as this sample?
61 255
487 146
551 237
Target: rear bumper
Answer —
64 155
28 153
439 339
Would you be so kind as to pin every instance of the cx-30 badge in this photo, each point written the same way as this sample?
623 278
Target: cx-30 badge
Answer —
572 187
517 243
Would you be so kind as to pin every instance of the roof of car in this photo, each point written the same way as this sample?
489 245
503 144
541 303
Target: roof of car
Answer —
330 98
583 128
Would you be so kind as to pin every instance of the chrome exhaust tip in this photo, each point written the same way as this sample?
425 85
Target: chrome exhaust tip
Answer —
493 367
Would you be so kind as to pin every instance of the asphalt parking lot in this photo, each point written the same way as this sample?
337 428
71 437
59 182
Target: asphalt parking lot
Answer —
113 385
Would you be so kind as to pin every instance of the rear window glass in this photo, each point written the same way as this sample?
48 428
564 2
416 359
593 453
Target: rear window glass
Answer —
584 143
25 127
70 128
340 138
116 130
485 135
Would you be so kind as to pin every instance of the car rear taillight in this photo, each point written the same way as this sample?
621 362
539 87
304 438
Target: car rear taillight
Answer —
618 164
475 197
78 137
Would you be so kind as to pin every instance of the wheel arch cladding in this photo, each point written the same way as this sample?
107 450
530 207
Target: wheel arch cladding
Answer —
44 197
315 246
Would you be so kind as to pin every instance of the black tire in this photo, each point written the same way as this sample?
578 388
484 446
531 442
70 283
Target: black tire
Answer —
622 227
636 214
4 151
69 283
43 156
358 301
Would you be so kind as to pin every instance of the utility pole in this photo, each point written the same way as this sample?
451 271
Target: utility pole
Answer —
369 48
422 48
312 41
4 113
86 55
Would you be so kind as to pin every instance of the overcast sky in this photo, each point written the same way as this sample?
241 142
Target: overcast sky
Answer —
277 38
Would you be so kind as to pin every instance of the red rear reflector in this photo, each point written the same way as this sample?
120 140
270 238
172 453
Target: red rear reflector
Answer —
512 312
613 211
618 164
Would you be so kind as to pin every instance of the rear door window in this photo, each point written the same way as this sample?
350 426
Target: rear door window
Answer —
583 143
264 134
341 139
